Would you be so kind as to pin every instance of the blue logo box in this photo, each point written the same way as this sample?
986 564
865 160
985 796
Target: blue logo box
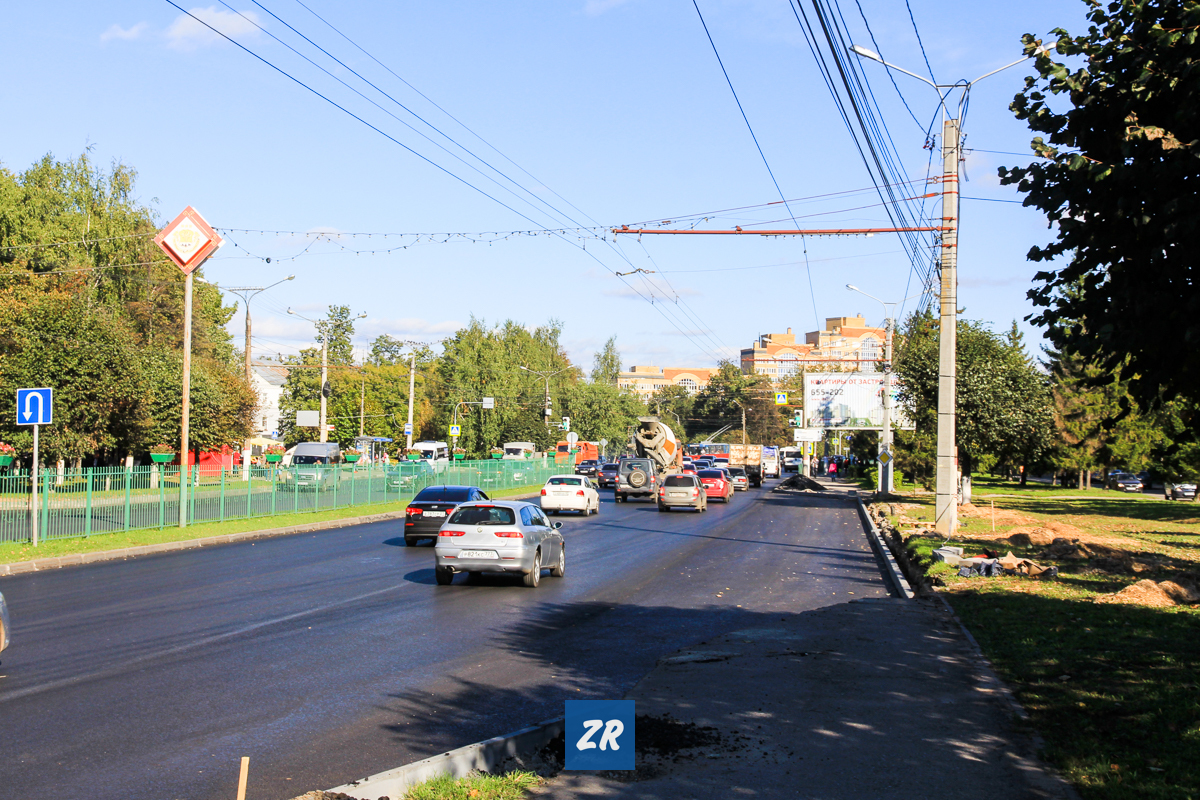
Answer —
599 734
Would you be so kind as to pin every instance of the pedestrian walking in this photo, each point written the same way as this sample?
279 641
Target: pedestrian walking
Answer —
833 469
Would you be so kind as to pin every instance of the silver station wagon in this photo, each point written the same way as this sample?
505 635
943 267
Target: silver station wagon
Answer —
499 536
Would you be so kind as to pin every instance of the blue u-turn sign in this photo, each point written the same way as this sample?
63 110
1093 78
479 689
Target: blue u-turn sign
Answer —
599 734
35 406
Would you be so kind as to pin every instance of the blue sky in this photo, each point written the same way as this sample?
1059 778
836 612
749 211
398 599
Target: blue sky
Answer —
616 111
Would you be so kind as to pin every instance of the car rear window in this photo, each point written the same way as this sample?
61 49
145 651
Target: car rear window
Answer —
565 481
631 464
483 515
609 467
450 494
736 471
711 473
680 480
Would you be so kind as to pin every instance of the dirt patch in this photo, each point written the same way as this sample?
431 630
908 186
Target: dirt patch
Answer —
1003 516
1143 593
323 796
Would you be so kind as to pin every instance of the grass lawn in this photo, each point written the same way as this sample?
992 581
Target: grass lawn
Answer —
509 786
13 552
1112 688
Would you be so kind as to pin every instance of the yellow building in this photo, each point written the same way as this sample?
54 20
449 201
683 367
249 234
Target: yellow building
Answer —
846 343
646 380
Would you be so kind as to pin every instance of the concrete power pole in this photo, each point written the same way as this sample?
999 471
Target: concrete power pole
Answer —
324 380
412 382
946 501
885 470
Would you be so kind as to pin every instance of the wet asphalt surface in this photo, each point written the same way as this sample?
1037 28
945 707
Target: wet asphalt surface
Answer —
331 656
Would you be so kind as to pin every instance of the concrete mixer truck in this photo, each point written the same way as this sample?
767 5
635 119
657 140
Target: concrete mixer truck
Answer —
657 452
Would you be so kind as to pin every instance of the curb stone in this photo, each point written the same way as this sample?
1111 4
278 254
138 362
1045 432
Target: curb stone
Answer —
80 559
478 757
897 579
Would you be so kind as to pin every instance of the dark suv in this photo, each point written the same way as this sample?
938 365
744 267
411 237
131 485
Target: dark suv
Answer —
636 477
588 467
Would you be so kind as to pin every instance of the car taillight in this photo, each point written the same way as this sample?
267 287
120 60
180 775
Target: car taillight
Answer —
579 493
695 492
451 533
662 492
510 534
412 512
543 492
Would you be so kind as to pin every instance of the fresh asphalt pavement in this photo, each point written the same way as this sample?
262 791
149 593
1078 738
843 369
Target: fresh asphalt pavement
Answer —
331 656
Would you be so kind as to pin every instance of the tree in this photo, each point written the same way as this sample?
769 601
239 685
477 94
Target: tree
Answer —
606 367
1116 179
1003 402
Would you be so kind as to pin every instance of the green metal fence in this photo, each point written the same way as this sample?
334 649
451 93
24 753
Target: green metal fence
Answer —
77 503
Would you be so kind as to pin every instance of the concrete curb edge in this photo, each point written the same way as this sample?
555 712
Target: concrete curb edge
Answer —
79 559
482 756
898 581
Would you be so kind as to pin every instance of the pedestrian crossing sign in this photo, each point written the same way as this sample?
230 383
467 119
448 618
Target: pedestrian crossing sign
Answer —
456 430
781 398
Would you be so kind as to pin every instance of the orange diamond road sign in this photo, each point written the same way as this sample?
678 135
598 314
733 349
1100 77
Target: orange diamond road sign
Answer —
188 240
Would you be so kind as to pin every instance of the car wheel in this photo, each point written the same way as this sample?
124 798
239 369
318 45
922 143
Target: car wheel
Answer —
535 575
444 576
560 569
661 507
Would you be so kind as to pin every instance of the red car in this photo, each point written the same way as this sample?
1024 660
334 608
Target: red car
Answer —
716 484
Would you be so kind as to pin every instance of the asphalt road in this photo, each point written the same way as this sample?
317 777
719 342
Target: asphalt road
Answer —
332 656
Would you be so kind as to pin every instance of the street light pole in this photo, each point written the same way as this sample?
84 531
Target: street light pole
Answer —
946 502
884 485
247 292
323 329
546 376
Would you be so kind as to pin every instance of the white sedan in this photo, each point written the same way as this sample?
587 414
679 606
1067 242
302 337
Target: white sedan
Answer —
570 493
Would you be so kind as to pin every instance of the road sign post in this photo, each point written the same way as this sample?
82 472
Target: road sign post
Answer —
188 241
35 407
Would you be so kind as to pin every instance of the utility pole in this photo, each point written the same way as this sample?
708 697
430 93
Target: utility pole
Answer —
412 382
546 376
323 329
324 379
884 484
247 292
945 517
362 402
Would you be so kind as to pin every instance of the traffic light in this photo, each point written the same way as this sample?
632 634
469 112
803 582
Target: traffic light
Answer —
566 424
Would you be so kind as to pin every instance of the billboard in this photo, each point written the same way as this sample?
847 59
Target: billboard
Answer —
850 400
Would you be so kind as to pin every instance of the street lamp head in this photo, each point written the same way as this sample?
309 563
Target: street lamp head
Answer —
859 50
852 287
290 310
290 278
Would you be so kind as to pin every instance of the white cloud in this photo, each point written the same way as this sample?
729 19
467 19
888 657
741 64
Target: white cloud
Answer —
185 33
125 34
594 7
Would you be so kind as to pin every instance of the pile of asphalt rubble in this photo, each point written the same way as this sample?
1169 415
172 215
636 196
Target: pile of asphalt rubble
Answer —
800 483
661 742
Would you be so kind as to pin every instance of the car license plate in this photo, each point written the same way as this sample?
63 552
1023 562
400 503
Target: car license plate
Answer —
435 513
560 494
477 554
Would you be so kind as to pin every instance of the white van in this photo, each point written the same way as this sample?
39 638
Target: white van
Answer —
519 451
436 453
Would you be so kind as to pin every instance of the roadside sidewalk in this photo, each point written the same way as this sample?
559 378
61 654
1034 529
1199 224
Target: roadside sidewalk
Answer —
77 559
869 699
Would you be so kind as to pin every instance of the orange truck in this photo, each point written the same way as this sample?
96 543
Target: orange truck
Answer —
584 451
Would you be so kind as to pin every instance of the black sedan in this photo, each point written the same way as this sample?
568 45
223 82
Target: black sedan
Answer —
607 476
588 467
428 510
